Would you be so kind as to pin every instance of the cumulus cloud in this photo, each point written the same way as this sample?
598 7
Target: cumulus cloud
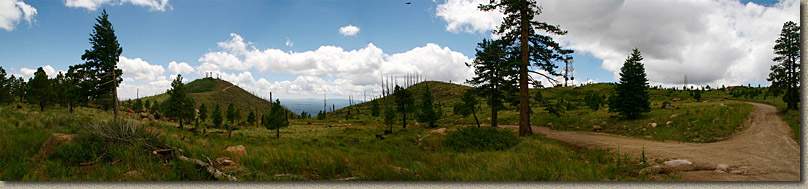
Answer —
348 70
153 5
180 68
349 30
139 69
712 42
13 11
27 73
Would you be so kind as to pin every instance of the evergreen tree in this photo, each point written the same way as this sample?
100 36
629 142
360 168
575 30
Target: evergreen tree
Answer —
466 106
320 115
216 116
138 106
403 99
495 74
231 113
179 104
427 113
632 91
5 87
147 105
697 95
276 119
593 101
21 88
100 67
556 109
389 117
39 89
374 108
251 117
534 48
203 112
237 115
785 75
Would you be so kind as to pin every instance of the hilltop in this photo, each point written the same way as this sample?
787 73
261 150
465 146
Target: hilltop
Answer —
212 92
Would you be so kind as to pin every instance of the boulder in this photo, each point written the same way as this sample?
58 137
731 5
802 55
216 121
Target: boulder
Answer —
438 131
722 104
652 125
236 150
722 167
596 128
668 123
677 163
144 115
673 116
603 123
53 140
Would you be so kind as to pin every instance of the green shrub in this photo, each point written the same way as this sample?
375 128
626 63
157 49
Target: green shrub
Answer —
480 139
83 148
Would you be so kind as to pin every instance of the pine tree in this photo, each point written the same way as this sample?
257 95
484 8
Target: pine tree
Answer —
403 99
217 116
251 117
231 113
389 117
697 95
466 106
785 75
534 48
100 67
276 118
427 111
495 74
39 89
632 91
179 104
374 108
203 112
5 87
138 106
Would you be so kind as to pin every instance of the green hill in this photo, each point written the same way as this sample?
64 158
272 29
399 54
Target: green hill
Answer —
212 92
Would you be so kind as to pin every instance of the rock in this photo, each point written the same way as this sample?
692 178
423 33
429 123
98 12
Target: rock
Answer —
603 123
668 123
652 125
144 115
550 124
130 111
677 163
722 104
673 116
676 99
236 150
438 131
53 140
596 128
722 167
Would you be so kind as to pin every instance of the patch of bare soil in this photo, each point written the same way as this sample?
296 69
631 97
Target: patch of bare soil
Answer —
763 151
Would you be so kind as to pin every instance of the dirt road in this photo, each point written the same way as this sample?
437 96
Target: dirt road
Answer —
762 151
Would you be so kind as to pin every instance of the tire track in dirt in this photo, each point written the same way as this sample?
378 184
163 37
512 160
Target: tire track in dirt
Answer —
762 151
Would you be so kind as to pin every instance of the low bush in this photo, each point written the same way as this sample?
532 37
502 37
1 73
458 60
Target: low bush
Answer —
83 149
480 139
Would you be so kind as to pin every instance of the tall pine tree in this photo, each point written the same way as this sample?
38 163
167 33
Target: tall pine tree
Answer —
785 75
495 74
39 89
525 33
179 104
101 62
403 99
427 111
632 91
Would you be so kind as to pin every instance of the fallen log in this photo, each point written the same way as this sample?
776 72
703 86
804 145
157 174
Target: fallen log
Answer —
209 167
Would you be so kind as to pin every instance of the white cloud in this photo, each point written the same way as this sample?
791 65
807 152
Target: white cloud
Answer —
289 43
139 69
153 5
348 71
12 11
181 68
714 42
349 30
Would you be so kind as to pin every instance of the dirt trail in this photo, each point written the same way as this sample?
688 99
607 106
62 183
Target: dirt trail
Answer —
762 151
228 87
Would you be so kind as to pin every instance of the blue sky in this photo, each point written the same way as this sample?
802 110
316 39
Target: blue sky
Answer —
393 38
